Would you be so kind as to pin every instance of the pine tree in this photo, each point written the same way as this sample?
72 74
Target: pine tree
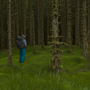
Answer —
33 32
31 42
24 6
39 29
63 21
30 22
13 23
88 22
42 23
49 19
48 9
69 27
55 59
22 17
77 22
2 26
18 18
83 28
9 35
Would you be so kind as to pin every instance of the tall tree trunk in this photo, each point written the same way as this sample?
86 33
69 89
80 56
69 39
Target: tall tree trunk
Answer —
9 35
48 28
69 27
39 31
2 27
22 18
33 32
83 28
24 6
77 23
49 20
13 24
42 23
89 22
56 60
30 23
63 21
18 18
13 35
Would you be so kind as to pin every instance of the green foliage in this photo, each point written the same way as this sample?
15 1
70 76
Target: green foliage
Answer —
34 74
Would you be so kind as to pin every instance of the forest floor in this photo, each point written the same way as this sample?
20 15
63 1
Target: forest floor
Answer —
35 74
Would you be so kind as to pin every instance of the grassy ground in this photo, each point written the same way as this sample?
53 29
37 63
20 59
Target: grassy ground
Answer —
34 74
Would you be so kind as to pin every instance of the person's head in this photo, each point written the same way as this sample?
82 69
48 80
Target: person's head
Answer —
23 36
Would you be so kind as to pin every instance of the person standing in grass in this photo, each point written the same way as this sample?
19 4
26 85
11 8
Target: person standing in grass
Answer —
22 51
21 44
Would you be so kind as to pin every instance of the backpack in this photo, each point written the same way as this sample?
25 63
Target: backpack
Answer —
19 42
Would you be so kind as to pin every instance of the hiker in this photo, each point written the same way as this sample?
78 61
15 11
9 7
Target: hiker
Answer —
21 44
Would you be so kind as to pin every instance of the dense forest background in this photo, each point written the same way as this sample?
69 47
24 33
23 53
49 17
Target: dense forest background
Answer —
74 21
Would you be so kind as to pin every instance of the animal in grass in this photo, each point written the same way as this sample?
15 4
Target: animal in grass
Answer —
21 45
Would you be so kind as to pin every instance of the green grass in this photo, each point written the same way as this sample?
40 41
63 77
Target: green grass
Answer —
35 74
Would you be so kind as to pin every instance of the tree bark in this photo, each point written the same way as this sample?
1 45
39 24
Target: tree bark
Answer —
88 22
55 59
31 42
22 18
2 27
18 18
9 35
42 23
63 21
77 23
83 28
39 31
24 6
33 33
69 27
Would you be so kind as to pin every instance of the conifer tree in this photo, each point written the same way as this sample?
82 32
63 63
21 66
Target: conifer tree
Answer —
83 28
88 22
31 42
13 22
30 22
55 59
9 35
63 21
2 26
33 32
42 23
48 9
39 30
77 6
69 26
22 17
18 18
24 6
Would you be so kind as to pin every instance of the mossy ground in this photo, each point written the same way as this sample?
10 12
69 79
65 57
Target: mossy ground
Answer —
35 74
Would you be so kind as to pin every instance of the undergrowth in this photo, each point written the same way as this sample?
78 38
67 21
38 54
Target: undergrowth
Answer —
35 74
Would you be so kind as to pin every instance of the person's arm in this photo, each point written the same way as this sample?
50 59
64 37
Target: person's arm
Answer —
25 43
